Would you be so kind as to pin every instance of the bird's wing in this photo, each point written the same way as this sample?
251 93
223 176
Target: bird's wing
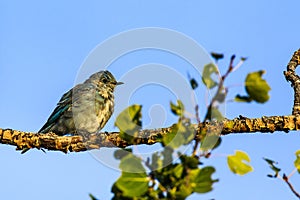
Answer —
64 103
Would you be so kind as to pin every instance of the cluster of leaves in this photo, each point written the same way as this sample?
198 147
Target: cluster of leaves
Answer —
166 179
276 169
163 177
284 177
256 87
175 181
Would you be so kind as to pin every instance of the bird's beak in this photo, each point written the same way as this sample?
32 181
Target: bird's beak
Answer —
119 83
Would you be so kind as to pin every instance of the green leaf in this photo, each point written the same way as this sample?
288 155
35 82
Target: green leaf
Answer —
217 56
173 139
238 163
239 98
194 83
131 163
190 161
179 135
243 58
201 180
156 162
178 169
121 153
133 184
208 70
177 109
183 192
133 181
129 122
256 87
218 143
273 167
187 131
214 113
92 197
297 161
211 141
220 97
167 154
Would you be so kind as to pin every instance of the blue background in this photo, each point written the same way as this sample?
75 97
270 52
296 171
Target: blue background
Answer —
43 44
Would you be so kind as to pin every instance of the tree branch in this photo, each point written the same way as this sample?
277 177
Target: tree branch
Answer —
291 76
51 141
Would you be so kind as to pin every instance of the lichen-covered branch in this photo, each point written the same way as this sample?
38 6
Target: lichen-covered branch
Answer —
291 76
51 141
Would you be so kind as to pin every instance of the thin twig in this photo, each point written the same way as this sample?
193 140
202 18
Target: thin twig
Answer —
196 140
214 99
286 179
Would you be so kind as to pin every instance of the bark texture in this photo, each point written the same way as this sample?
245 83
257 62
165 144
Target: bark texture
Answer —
51 141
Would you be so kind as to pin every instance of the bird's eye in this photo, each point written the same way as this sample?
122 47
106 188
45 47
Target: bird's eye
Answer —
104 80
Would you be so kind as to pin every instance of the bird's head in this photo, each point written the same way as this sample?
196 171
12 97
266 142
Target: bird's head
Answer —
104 79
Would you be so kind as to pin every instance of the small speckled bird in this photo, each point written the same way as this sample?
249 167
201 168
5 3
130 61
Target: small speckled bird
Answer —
85 108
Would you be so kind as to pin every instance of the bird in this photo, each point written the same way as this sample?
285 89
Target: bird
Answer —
85 108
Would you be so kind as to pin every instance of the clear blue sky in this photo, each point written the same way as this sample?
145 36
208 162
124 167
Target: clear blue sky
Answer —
44 44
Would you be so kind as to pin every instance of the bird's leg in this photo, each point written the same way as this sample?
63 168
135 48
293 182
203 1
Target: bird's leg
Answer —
85 134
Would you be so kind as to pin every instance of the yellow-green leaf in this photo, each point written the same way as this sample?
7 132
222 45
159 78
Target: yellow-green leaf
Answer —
256 87
177 109
178 169
211 141
208 70
92 197
129 122
238 163
133 181
179 135
297 161
216 114
173 139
